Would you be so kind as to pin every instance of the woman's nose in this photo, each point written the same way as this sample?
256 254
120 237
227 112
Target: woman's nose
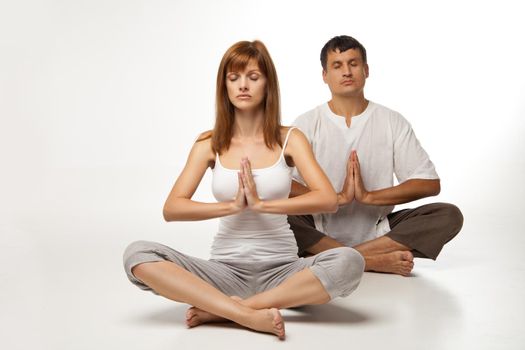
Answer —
243 84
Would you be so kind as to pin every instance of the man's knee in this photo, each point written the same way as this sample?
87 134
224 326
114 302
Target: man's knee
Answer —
453 217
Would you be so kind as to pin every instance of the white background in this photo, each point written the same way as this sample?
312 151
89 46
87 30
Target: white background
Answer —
100 102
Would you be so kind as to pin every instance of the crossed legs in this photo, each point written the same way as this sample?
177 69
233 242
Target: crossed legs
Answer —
420 232
303 288
175 283
208 285
259 312
382 254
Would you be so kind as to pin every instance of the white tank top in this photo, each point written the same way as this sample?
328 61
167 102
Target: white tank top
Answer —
250 235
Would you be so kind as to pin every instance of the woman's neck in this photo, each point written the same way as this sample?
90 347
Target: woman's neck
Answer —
248 124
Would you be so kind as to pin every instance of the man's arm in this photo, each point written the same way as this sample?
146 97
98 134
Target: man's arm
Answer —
408 191
405 192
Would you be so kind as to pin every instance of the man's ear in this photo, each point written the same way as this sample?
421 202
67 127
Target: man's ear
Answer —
367 71
324 76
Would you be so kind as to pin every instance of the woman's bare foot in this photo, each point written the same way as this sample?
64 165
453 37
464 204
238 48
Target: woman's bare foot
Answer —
265 320
398 262
196 316
268 321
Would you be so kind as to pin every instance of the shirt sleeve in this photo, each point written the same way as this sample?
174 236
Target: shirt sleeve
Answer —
411 161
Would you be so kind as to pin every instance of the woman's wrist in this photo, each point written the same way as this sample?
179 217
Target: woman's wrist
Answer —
259 207
233 208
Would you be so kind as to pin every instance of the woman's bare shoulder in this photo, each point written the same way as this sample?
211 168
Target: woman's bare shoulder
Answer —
294 134
203 147
206 135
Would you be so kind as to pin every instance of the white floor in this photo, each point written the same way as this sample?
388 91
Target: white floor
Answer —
63 286
101 100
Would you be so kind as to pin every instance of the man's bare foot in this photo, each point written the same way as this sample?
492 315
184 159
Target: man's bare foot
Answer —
196 316
398 262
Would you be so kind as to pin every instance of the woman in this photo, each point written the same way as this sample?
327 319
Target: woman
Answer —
254 269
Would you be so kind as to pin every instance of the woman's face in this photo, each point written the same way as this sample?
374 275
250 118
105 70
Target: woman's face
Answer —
246 88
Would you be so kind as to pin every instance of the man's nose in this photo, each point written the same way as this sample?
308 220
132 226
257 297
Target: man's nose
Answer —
346 71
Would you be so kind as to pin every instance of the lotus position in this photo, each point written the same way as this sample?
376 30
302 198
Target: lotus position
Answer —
254 269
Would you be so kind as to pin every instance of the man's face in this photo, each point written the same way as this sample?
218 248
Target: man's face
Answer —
345 73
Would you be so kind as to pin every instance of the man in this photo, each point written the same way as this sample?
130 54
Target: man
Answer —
361 145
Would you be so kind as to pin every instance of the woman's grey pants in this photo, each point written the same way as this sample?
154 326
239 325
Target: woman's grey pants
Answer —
339 270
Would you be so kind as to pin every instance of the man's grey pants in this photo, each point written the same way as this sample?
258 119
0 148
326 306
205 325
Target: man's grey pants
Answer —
339 270
425 229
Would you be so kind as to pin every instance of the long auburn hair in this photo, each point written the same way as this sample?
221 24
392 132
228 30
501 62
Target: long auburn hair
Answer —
237 58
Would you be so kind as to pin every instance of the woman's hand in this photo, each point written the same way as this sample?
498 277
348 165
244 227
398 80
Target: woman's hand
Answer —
239 203
249 188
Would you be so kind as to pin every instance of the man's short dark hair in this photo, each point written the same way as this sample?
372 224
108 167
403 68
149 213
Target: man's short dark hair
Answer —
341 43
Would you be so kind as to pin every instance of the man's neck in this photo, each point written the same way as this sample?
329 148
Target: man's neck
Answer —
348 107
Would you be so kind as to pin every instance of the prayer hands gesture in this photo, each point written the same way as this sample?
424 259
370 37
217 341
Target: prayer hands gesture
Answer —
247 194
353 188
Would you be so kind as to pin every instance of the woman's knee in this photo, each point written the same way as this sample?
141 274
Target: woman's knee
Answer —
136 255
136 248
347 269
352 261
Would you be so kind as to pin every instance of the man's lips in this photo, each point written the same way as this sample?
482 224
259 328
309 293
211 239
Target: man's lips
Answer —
347 82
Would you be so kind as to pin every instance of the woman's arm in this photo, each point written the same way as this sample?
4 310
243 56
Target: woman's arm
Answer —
180 207
320 199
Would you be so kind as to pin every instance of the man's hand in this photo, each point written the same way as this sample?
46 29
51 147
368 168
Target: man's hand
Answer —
360 192
346 196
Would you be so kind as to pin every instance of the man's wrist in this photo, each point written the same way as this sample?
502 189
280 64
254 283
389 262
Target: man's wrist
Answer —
368 198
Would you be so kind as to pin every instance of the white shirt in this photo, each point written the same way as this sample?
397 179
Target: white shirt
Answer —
250 235
385 145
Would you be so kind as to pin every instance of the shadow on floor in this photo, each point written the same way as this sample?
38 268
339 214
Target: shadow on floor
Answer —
327 313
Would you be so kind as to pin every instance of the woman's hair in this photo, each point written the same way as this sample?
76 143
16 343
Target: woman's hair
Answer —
237 58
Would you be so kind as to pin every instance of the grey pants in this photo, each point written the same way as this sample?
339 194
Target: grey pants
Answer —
424 229
339 270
